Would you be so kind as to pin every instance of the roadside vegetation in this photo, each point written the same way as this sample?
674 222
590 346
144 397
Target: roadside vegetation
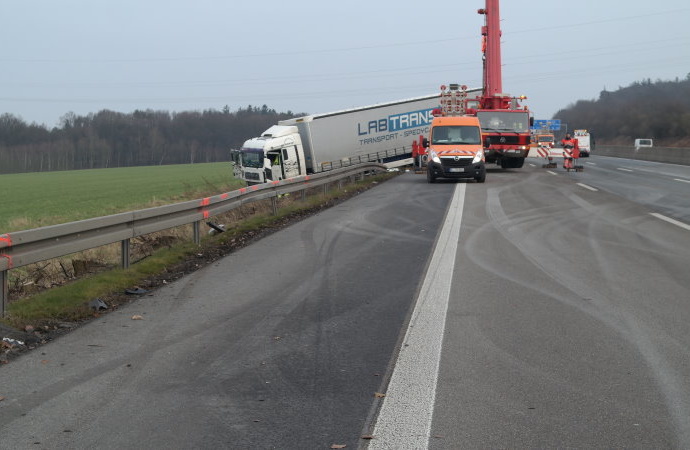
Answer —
658 110
110 139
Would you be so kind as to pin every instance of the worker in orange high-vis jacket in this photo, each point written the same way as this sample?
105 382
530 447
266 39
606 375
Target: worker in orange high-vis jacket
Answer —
570 151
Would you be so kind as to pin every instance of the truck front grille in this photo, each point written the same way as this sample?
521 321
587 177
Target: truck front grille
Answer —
505 140
251 176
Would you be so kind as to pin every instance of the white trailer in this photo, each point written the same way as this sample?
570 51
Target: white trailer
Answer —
583 142
319 142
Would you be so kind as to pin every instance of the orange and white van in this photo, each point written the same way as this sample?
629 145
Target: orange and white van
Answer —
455 149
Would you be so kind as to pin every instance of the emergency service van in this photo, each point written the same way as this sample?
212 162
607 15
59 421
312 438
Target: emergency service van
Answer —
455 149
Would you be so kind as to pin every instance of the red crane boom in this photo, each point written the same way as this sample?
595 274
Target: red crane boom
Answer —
491 46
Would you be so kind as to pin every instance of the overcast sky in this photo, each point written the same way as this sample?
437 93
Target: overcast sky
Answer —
318 56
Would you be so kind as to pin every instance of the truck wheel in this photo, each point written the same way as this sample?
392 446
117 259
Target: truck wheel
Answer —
430 176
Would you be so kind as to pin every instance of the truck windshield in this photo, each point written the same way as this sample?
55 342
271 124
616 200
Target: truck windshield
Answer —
515 122
545 138
252 157
456 135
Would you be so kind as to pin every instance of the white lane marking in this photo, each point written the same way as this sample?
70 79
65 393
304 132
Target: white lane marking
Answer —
533 165
684 181
404 420
588 187
591 164
670 220
624 170
552 172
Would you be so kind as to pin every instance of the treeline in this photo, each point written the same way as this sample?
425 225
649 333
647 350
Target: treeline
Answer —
646 109
113 139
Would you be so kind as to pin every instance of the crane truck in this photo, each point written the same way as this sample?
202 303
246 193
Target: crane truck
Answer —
319 142
504 121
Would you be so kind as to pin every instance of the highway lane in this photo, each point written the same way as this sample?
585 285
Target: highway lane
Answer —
659 186
568 319
567 324
662 187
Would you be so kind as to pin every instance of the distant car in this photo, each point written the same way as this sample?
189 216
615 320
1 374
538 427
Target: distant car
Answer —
643 143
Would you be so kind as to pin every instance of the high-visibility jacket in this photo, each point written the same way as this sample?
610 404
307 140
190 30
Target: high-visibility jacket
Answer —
574 150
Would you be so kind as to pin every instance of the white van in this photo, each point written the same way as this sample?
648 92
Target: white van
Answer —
643 143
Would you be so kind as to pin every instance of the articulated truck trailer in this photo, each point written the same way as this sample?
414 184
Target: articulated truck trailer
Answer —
319 142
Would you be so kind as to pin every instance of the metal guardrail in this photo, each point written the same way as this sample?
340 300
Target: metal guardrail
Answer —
21 248
370 157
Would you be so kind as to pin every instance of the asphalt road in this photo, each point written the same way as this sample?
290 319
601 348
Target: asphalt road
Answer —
539 309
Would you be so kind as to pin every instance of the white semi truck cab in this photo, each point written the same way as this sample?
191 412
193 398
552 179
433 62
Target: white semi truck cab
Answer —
275 155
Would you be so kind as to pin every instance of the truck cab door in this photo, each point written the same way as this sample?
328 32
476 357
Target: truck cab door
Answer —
274 170
291 162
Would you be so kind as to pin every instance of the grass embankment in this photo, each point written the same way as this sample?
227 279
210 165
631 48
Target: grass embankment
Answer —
70 302
32 200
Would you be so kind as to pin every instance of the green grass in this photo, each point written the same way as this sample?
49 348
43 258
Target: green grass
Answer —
32 200
70 302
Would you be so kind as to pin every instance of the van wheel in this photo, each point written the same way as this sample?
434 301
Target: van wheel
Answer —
481 178
430 176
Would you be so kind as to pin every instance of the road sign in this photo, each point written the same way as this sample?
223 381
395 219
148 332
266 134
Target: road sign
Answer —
553 124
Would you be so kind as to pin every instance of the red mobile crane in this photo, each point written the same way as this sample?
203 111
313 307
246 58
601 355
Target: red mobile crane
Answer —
505 123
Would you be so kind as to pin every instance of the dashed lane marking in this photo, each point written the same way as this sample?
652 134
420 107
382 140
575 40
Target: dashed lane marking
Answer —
670 220
588 187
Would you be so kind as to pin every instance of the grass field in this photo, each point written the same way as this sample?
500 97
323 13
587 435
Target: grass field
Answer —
32 200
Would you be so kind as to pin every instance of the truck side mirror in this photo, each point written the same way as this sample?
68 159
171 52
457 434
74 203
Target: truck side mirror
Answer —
425 143
531 121
487 142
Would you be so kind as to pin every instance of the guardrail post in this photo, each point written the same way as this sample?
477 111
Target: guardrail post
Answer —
125 253
274 204
340 184
3 291
304 194
196 232
325 189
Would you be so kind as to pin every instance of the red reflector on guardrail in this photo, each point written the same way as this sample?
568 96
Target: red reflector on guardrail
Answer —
9 261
